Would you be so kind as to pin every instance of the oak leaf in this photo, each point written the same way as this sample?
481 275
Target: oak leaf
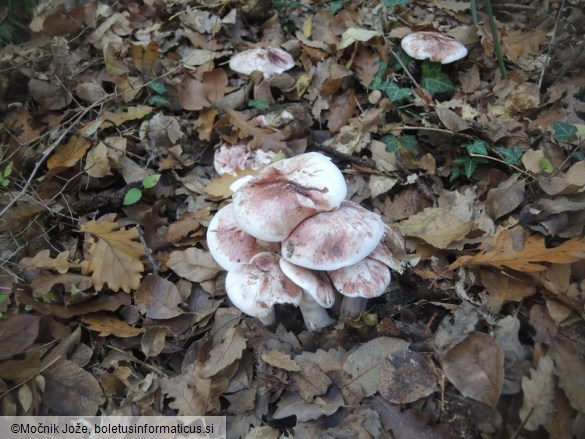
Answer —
529 258
225 353
114 259
539 392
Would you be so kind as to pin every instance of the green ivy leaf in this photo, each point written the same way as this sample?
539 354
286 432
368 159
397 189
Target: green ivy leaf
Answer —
393 3
546 166
150 181
563 131
470 164
434 80
377 83
477 147
511 156
397 93
132 196
259 104
158 87
335 6
157 100
395 144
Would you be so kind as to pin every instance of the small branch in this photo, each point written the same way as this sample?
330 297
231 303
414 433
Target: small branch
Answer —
147 251
550 46
363 162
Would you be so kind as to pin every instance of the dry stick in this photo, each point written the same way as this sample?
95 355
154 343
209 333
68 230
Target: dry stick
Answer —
44 157
550 45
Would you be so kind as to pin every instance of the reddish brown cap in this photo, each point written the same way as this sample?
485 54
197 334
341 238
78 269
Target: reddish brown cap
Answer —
433 46
368 278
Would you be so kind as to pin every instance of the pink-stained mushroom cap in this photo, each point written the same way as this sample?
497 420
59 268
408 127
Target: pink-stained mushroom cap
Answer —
237 157
368 278
254 288
270 62
433 46
318 294
228 244
270 205
336 239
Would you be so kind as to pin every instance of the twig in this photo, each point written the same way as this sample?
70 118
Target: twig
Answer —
44 157
497 46
366 163
147 251
550 45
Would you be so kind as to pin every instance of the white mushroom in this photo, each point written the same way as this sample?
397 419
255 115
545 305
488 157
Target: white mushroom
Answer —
233 158
255 287
433 46
318 294
270 205
270 61
336 239
228 244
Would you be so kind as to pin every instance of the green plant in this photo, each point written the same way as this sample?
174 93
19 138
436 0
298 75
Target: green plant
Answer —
135 194
478 152
434 80
4 180
258 104
394 92
160 90
15 16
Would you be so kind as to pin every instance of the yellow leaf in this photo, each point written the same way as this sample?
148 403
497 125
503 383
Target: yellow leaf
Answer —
281 360
307 25
43 260
106 324
529 258
115 258
69 154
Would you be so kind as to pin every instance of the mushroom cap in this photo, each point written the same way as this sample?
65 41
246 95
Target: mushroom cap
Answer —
434 46
314 283
228 244
332 240
255 287
270 61
368 278
271 204
231 158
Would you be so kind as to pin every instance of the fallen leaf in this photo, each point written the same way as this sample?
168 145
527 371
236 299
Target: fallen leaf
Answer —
225 353
506 197
365 362
281 360
18 333
115 258
193 264
106 324
291 404
503 288
190 392
43 260
570 369
529 258
310 381
70 390
69 154
160 297
476 368
539 392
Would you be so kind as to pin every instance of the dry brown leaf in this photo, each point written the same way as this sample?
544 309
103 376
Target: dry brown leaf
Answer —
153 341
106 324
529 258
189 391
405 377
69 154
539 392
43 260
503 288
310 381
42 284
160 297
281 360
365 362
145 56
97 164
570 369
115 258
18 333
225 353
194 264
70 390
291 404
506 197
476 368
214 84
440 226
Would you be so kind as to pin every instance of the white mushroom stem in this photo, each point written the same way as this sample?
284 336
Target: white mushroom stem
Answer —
314 315
352 306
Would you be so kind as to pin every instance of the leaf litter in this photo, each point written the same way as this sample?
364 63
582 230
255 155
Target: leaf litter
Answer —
479 177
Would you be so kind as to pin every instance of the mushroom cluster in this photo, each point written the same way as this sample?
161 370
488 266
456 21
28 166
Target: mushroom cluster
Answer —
291 237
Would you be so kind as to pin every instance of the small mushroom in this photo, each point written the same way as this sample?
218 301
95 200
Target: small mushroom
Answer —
255 287
333 240
433 46
318 294
270 62
270 205
228 244
232 158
